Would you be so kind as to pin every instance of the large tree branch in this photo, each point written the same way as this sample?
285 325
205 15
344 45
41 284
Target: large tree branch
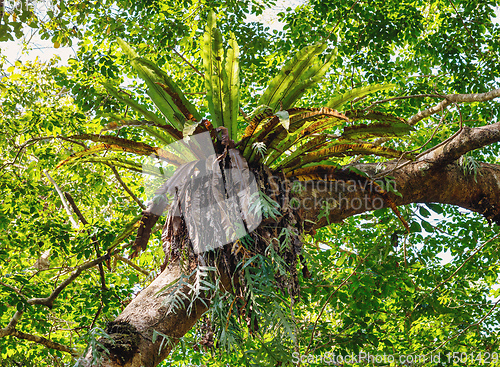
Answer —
49 301
454 98
433 177
418 182
465 140
82 219
10 329
126 188
133 265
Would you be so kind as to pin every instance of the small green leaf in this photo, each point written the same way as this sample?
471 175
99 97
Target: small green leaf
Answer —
415 227
424 212
435 207
427 226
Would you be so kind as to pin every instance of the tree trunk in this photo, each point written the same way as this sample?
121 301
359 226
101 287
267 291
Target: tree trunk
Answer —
133 331
433 177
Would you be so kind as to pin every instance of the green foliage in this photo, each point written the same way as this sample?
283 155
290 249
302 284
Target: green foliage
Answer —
176 297
296 74
94 341
160 88
339 101
222 80
261 203
372 288
470 165
213 58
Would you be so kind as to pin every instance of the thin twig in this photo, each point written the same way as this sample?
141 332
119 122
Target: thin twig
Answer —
432 135
96 316
13 288
402 97
125 187
340 20
43 341
465 26
454 273
49 301
327 302
416 149
132 264
187 62
245 116
94 238
454 98
63 199
34 140
467 328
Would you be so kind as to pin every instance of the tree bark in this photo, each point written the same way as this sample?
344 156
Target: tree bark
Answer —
434 177
134 346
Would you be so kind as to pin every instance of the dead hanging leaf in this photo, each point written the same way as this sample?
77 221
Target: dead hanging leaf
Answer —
146 225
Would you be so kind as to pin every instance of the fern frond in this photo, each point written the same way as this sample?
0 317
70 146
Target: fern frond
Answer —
301 126
338 101
283 84
154 78
167 84
310 78
129 147
340 149
169 135
136 106
380 129
118 162
256 121
232 88
213 54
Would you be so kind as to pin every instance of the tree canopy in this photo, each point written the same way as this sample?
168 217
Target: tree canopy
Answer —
390 99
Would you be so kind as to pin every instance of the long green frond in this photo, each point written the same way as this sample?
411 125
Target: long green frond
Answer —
213 54
338 101
166 135
310 78
168 85
287 80
153 80
232 89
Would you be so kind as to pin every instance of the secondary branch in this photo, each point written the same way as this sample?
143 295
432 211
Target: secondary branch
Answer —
454 98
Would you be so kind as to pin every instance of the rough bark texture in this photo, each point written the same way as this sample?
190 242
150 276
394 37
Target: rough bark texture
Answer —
134 345
433 177
418 183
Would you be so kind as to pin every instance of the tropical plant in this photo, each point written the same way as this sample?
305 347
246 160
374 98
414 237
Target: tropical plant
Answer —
270 279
